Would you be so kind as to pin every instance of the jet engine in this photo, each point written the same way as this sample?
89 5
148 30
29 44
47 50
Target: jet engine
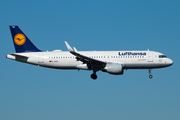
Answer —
114 68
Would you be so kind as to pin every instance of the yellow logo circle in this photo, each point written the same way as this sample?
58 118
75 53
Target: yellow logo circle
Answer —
19 39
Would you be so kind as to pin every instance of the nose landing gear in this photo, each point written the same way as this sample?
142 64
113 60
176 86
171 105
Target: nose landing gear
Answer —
150 76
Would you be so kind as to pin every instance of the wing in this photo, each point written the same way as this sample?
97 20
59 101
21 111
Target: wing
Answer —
91 62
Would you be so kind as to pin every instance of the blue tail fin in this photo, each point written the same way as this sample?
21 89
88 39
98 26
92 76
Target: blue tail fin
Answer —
21 41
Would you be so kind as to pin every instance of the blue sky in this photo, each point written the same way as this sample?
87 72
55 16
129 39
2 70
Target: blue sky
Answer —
29 92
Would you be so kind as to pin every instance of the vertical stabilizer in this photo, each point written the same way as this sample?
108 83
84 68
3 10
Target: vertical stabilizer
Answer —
21 41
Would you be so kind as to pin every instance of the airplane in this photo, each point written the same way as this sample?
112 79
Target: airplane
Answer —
112 62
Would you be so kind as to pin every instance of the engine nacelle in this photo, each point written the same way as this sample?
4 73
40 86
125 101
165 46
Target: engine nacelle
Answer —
114 68
83 67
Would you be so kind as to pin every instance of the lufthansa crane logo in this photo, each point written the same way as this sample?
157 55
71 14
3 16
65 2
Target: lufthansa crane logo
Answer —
19 39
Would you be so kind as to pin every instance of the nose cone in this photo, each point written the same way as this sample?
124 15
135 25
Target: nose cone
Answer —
169 62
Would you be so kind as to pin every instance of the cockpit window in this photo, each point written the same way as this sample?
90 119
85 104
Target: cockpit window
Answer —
162 56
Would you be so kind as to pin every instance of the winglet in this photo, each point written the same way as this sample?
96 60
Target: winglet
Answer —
75 49
69 47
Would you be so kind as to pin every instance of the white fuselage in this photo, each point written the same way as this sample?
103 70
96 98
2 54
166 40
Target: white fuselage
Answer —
65 60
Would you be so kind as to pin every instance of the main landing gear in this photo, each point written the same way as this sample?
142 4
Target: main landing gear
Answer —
150 76
94 76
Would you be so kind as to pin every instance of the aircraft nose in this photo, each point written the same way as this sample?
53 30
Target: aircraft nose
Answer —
170 62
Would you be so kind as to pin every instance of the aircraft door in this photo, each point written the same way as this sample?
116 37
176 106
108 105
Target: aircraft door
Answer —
150 57
41 58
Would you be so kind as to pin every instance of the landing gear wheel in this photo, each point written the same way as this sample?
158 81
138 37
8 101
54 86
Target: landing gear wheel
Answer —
150 76
94 76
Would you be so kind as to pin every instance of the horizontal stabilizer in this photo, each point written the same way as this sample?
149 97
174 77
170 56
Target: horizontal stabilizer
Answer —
17 57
